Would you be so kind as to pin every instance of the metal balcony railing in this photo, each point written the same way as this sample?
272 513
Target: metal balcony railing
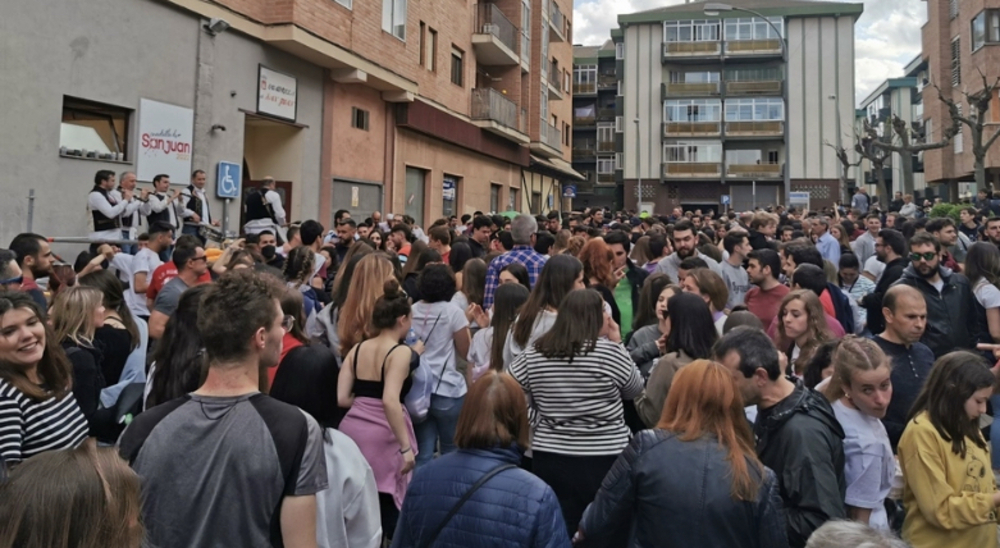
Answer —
683 129
691 49
745 47
692 169
752 129
555 76
607 81
584 88
490 20
754 171
490 104
693 88
558 22
606 146
766 87
584 147
550 135
606 114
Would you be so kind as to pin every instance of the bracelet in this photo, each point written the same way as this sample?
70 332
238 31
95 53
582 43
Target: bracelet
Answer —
404 451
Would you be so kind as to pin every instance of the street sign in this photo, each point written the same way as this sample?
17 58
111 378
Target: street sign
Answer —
228 180
798 199
725 200
569 191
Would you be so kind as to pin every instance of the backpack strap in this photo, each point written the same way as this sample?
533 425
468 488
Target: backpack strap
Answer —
458 505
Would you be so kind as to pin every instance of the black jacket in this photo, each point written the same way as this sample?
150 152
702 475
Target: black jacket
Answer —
802 441
842 306
678 493
872 302
636 277
952 319
88 381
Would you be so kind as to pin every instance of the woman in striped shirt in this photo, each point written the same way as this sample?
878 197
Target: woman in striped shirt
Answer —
576 376
37 410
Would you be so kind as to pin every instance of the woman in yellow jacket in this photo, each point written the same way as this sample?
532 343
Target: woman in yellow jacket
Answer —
950 494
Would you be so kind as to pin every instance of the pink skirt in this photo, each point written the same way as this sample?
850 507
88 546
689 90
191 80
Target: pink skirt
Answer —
366 424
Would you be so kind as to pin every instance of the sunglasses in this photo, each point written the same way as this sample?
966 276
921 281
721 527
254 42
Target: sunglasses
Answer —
202 258
929 256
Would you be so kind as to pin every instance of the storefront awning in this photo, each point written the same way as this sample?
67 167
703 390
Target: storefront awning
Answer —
561 168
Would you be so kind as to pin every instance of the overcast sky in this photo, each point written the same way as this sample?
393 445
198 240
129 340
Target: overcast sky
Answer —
887 35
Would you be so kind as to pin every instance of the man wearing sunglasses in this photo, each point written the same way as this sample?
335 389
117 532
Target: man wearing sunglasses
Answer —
191 263
951 318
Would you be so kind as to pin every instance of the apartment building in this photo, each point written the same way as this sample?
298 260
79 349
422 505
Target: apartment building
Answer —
960 39
424 108
902 98
596 152
735 107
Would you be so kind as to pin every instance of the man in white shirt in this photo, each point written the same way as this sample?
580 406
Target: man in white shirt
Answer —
161 237
105 209
130 218
864 246
196 209
161 206
263 209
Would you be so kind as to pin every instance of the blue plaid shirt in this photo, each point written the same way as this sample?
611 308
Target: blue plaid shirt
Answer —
524 254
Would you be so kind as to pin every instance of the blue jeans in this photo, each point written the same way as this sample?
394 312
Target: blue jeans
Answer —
995 432
442 418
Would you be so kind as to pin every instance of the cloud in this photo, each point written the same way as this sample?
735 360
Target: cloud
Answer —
886 37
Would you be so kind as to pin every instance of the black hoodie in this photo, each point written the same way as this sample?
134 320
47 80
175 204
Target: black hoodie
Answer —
802 441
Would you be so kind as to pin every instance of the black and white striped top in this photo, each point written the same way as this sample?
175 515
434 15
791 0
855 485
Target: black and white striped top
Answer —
577 406
29 427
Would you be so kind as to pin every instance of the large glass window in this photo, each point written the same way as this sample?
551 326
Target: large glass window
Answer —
753 28
706 77
985 28
755 109
692 110
93 130
688 152
394 18
691 31
743 157
605 165
754 74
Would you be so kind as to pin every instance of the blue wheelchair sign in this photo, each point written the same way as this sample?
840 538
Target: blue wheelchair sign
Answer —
228 180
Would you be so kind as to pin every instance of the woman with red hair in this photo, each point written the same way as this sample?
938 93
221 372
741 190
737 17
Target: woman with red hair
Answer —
599 273
713 493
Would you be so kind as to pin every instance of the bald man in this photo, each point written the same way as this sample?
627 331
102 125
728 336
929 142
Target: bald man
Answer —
905 313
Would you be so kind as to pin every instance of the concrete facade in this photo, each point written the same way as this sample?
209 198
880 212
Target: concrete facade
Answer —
698 76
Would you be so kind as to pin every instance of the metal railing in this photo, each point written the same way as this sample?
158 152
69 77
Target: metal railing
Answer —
557 19
555 76
754 171
674 129
607 81
764 87
550 135
584 88
584 120
692 169
490 20
692 49
737 129
490 104
606 146
584 147
693 88
753 46
606 113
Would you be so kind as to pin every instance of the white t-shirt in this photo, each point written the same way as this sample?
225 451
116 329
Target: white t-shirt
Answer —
147 261
479 352
869 466
436 325
987 294
874 267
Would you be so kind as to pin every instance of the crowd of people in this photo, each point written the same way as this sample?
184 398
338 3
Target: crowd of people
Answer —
761 379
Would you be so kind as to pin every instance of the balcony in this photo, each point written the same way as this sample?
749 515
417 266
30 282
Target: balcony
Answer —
549 143
584 150
754 171
768 87
755 129
753 48
557 23
584 120
605 146
692 170
692 129
494 112
495 38
605 178
606 114
554 81
675 51
584 88
691 89
607 81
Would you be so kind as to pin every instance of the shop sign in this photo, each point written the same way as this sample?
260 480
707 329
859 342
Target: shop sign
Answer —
569 191
165 138
277 94
448 189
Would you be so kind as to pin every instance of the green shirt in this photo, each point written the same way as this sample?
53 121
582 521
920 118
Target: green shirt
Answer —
623 296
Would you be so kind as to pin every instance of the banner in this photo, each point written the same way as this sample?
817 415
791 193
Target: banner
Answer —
277 94
165 138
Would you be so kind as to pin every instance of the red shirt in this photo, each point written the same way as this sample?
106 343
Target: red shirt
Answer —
288 342
166 272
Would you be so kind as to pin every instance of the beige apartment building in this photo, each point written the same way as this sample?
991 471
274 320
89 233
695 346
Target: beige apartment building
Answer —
960 39
735 107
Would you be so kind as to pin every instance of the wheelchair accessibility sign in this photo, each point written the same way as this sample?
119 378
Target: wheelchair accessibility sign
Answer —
228 180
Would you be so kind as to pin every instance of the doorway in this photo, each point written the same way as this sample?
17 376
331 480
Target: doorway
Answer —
416 180
283 188
358 198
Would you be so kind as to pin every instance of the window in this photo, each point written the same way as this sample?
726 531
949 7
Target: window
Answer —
512 202
346 3
743 157
494 198
394 18
525 31
619 50
692 152
985 28
606 134
536 202
753 28
620 91
567 81
772 157
958 142
619 160
457 66
756 109
93 130
428 47
359 118
754 74
953 8
449 195
692 110
585 79
678 77
567 135
956 62
691 31
619 124
605 165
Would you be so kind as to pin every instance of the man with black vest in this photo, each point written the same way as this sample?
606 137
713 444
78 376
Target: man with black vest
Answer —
130 218
263 209
105 209
162 207
196 209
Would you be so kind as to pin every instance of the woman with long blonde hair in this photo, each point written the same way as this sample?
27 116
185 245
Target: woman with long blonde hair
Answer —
76 314
801 328
366 286
715 492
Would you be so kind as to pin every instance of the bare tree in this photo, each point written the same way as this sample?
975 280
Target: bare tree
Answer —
845 164
905 142
979 103
865 146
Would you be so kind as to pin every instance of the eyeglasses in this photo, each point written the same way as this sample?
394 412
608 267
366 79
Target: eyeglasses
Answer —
288 322
202 258
929 256
11 281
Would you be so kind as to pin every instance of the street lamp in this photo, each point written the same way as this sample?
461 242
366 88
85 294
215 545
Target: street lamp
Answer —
638 168
714 9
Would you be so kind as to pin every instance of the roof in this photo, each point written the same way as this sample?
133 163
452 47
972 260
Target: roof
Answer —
782 8
891 83
590 54
918 64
